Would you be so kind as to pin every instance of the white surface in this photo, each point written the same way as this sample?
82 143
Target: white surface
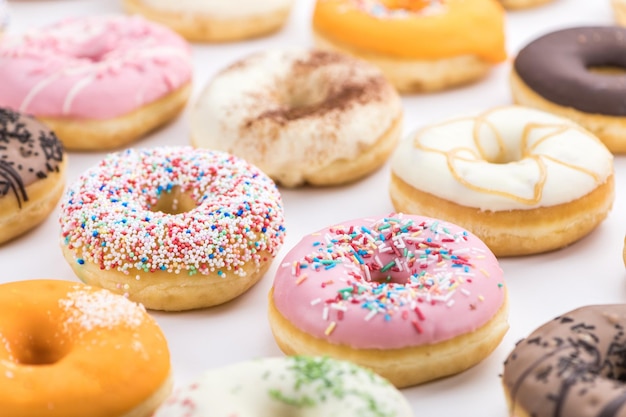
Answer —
540 287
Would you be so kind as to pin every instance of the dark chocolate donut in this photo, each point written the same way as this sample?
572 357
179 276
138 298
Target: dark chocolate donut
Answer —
556 66
573 366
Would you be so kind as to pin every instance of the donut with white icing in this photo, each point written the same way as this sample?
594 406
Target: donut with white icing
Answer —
215 20
174 228
410 297
302 116
71 350
32 173
99 82
293 386
524 181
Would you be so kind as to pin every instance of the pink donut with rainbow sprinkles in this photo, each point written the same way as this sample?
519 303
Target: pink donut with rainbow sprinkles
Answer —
99 82
413 298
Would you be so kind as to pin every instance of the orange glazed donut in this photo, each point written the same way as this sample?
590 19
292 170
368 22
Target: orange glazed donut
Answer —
69 350
420 45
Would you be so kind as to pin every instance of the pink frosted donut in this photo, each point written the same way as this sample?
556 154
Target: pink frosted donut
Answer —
110 78
411 297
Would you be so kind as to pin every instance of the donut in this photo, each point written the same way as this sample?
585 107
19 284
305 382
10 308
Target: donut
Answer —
215 20
410 297
32 173
522 4
295 386
619 8
4 15
571 366
419 45
524 181
98 82
172 228
301 116
70 350
571 73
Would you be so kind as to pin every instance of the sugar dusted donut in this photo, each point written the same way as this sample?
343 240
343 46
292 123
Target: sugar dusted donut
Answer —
412 298
172 228
522 180
215 20
32 173
70 350
98 82
294 386
302 116
568 73
420 45
571 366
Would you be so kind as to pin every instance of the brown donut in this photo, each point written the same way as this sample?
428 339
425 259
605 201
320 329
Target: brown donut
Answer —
573 366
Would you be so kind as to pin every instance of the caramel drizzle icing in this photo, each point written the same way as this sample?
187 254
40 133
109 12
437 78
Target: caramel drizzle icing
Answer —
479 155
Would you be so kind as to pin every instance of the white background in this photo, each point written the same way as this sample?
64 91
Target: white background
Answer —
540 287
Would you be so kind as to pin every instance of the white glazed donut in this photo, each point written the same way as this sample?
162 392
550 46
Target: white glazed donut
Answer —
523 180
301 116
292 386
215 20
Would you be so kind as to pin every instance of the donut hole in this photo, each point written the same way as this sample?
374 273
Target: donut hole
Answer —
174 201
302 96
611 70
40 346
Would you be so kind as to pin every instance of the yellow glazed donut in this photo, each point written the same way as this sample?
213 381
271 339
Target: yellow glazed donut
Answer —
32 173
70 350
523 180
301 116
296 386
99 82
419 45
215 20
173 228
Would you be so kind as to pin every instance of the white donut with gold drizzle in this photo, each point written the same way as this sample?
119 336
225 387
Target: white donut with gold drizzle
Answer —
514 162
294 386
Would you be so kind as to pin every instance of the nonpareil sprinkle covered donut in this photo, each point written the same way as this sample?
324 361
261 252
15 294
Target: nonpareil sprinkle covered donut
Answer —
99 82
571 366
70 350
302 116
32 173
412 298
524 181
294 386
173 228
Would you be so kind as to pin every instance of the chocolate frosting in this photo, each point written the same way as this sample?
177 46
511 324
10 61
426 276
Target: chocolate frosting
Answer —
29 151
556 66
573 366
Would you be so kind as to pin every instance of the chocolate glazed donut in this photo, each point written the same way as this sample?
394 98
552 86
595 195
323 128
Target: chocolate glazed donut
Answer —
573 366
556 66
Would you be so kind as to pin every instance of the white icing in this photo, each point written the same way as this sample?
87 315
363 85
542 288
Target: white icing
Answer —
288 151
221 8
559 163
287 387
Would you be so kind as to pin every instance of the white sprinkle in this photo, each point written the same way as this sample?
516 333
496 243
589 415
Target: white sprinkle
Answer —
371 314
316 301
464 291
325 313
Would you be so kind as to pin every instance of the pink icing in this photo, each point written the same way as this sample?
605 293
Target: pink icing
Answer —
448 283
92 68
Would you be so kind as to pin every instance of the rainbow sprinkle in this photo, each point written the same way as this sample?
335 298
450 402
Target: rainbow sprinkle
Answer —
390 267
106 216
